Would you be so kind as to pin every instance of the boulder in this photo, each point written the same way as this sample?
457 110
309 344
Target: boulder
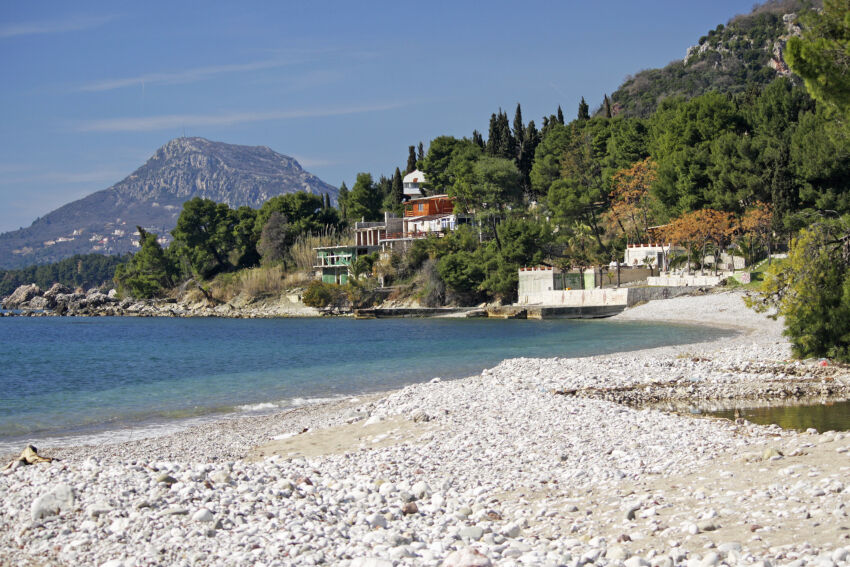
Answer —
21 295
39 302
52 503
56 290
97 299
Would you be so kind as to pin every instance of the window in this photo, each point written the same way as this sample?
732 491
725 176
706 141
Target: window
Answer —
421 207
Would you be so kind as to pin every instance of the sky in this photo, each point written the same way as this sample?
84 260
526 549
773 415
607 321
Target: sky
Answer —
90 90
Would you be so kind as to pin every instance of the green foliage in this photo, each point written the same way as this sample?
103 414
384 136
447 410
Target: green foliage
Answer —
461 270
364 201
212 238
547 158
500 141
822 55
812 291
448 162
86 271
411 159
148 273
275 239
304 213
583 110
324 295
362 266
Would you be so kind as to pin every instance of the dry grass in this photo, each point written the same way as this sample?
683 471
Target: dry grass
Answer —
302 252
253 282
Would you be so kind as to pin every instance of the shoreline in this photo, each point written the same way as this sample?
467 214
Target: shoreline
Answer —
500 462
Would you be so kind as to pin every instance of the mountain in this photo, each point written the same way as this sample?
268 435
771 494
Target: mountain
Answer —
747 51
153 196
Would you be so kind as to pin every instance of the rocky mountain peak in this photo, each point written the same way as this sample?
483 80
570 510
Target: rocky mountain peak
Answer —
153 195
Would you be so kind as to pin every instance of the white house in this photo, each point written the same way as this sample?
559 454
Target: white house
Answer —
412 183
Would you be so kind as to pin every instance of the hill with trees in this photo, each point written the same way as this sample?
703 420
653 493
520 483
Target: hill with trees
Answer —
747 51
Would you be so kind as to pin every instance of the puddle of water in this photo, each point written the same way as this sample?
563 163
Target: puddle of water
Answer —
825 416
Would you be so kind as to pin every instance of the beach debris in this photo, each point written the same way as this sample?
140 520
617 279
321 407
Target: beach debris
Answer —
29 456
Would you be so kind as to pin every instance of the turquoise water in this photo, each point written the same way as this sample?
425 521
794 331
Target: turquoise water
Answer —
82 376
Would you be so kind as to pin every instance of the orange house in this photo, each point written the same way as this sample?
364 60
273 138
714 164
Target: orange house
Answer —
435 205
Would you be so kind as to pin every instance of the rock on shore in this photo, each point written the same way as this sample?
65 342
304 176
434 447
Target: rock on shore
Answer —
60 300
501 468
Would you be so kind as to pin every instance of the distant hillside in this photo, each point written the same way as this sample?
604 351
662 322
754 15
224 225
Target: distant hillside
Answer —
746 51
152 197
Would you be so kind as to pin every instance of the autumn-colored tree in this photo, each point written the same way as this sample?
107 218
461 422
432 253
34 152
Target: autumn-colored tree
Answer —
631 201
758 222
699 229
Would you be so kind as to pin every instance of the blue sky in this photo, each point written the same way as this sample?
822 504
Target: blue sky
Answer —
91 89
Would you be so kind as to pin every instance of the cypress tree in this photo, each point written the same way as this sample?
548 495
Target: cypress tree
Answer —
583 110
478 139
397 192
411 159
342 199
384 186
492 136
519 128
507 146
560 115
607 106
421 154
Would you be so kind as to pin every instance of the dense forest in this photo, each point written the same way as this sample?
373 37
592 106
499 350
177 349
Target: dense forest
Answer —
85 271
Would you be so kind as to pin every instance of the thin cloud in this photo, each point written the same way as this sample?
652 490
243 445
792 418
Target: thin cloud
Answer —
181 77
51 27
314 162
166 122
94 176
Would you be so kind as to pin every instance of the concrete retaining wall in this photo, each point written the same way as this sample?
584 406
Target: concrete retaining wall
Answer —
691 281
610 297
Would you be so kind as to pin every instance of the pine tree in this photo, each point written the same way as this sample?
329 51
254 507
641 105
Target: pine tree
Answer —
607 107
583 110
411 159
560 115
782 192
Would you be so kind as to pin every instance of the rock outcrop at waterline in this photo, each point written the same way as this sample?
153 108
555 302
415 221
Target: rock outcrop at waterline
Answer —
30 301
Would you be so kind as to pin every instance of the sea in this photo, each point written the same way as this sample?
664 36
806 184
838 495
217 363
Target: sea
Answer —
69 380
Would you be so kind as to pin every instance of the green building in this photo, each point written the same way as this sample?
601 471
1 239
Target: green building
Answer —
334 262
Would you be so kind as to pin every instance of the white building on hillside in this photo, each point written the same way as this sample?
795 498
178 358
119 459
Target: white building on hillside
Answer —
413 182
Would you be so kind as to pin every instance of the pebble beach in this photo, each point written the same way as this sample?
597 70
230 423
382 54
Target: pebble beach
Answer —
560 461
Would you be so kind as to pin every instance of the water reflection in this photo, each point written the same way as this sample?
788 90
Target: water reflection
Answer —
825 416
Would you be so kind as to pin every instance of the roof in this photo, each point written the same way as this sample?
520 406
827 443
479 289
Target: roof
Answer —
429 217
414 176
431 198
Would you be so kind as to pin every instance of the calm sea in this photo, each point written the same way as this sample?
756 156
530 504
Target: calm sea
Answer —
75 379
